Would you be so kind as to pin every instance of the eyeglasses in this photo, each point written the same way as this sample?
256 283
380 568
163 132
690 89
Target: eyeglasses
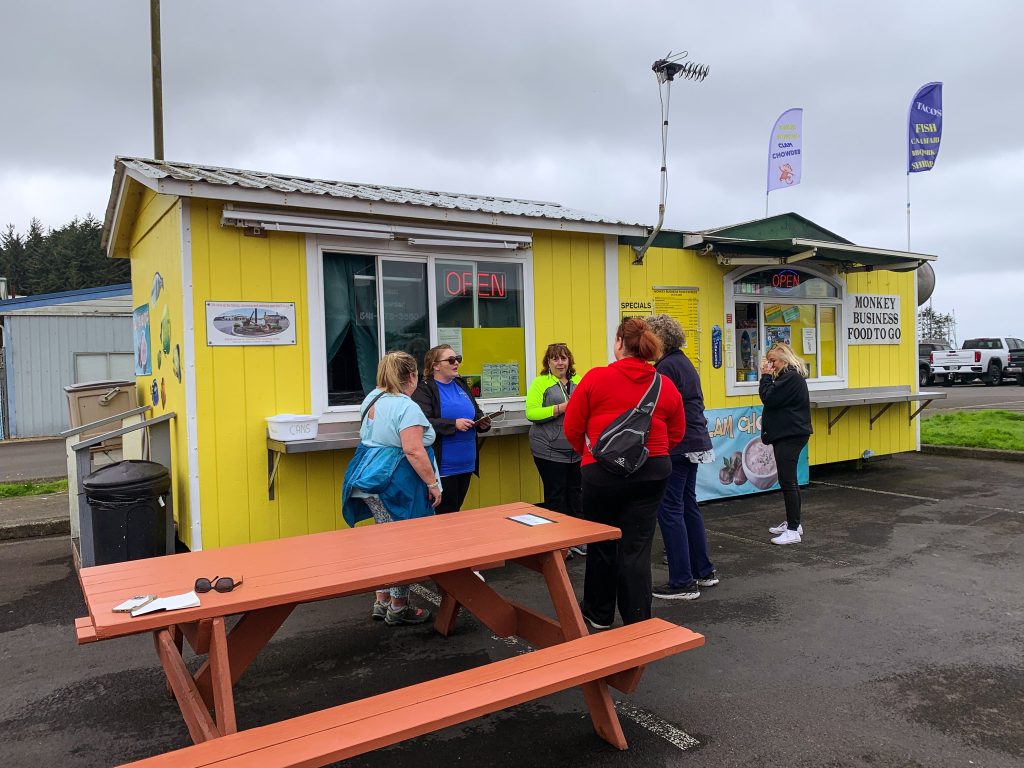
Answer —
452 360
218 583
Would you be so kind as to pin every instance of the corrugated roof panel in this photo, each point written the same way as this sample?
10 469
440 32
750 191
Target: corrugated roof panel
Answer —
155 169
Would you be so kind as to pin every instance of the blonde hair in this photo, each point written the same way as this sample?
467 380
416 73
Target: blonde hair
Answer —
394 371
789 357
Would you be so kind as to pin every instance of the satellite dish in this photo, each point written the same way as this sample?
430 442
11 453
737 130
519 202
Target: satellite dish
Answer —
925 283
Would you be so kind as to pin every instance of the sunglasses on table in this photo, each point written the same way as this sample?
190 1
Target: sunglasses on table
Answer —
217 583
452 360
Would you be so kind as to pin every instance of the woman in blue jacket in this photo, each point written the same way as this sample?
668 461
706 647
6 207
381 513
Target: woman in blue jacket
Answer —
786 427
679 516
392 474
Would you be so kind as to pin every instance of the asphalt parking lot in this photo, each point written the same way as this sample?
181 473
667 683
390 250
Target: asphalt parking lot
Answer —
890 637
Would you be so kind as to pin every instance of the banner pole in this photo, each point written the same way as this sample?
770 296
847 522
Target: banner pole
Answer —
766 204
908 211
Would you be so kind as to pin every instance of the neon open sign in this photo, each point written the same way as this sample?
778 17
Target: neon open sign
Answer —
785 280
489 285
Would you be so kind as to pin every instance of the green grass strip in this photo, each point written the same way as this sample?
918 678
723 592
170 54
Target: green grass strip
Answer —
1001 430
10 490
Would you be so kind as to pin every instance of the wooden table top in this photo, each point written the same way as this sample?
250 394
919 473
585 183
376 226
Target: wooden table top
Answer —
324 565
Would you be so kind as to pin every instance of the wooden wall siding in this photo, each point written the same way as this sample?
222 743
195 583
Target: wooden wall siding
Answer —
156 247
869 365
238 387
569 296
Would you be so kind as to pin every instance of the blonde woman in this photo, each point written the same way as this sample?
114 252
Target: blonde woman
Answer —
392 474
786 427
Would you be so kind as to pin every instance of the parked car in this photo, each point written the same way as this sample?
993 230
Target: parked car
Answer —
925 348
1016 366
987 358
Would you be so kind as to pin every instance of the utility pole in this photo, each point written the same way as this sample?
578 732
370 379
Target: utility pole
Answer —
158 88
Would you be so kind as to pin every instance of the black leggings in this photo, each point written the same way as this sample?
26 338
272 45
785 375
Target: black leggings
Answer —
787 452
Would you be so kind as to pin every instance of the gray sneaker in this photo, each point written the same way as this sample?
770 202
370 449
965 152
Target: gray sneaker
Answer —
709 580
668 592
579 549
406 615
380 610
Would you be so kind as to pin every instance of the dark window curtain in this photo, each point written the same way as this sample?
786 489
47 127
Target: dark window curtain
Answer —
350 320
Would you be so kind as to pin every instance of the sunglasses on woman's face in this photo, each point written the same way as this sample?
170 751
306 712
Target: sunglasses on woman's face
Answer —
452 360
217 583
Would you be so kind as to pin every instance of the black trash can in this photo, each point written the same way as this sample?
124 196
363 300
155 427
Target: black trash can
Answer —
128 510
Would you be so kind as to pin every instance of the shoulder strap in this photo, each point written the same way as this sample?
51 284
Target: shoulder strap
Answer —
378 397
655 387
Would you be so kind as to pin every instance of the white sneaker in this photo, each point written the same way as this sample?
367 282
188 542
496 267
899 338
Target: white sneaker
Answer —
479 575
787 537
777 529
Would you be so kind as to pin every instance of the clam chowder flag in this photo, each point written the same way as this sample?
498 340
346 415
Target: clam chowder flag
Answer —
924 128
785 150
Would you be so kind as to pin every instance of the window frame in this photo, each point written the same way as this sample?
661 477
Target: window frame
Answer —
814 382
399 250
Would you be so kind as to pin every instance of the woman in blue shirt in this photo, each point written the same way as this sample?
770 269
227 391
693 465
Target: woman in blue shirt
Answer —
392 476
453 412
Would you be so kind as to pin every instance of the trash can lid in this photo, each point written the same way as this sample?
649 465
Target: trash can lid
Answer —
128 472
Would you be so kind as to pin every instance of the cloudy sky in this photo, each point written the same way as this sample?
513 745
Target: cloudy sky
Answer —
549 101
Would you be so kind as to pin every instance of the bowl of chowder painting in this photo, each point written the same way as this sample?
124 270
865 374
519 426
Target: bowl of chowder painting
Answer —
759 464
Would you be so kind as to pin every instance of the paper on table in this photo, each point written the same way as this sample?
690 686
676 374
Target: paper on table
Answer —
170 603
530 519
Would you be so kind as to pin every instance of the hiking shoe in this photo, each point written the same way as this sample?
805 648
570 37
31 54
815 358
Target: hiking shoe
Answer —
709 580
406 615
777 529
380 610
579 549
668 592
787 537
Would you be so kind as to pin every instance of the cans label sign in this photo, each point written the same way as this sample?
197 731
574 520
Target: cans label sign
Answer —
872 319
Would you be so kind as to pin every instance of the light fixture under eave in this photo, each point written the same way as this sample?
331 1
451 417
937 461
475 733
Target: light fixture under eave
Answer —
504 245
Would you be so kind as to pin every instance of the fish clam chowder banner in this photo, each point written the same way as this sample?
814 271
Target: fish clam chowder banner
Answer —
924 128
785 150
872 319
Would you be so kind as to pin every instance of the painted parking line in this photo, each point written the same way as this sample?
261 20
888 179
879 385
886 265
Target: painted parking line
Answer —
912 496
646 720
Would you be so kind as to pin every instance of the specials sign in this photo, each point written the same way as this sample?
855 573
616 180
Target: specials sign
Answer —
872 319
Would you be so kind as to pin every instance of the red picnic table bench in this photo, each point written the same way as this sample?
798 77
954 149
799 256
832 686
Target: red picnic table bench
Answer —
281 574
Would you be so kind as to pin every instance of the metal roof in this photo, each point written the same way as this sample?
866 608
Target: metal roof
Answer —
104 300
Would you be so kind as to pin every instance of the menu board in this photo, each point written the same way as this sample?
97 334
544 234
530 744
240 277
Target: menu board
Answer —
499 380
683 304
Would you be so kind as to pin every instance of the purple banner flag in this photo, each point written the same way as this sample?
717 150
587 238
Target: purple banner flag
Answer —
785 150
924 128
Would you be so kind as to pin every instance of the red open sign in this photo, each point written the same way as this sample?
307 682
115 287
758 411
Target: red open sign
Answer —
489 285
786 279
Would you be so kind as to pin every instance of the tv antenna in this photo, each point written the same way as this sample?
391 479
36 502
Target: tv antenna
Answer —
667 70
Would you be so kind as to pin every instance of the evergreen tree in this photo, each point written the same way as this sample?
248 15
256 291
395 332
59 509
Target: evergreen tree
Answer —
936 325
12 260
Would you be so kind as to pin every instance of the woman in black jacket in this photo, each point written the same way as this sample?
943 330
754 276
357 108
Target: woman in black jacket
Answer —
679 516
455 416
786 427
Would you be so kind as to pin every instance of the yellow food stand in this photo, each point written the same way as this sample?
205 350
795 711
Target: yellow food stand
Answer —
269 295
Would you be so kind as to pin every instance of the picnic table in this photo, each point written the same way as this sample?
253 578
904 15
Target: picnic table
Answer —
282 574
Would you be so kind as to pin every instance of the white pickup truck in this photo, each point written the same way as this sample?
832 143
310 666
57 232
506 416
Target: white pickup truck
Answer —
986 358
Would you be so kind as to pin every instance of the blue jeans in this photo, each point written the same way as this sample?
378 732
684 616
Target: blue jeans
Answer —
682 526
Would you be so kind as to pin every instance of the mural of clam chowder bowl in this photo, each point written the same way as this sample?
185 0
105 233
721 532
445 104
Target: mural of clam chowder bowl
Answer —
759 464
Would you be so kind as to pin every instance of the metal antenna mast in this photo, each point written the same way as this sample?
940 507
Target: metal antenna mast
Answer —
667 70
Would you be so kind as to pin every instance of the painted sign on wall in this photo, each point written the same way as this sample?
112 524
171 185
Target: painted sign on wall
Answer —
872 319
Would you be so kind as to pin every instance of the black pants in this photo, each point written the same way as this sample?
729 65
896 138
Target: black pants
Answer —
787 452
619 572
562 486
453 492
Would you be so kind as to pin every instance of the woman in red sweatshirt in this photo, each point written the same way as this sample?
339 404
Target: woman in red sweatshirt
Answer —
619 572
